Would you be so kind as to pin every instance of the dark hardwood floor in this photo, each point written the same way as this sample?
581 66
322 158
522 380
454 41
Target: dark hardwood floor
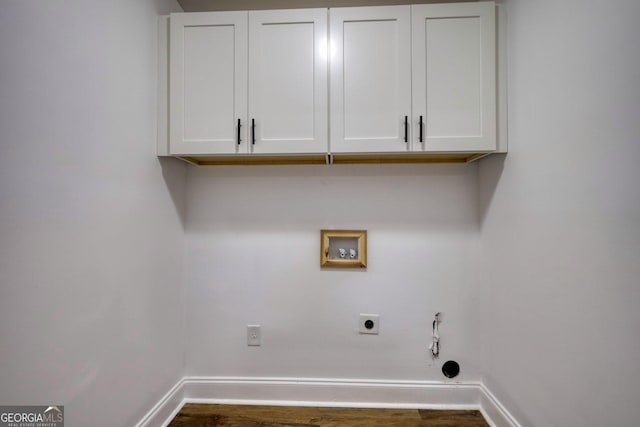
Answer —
201 415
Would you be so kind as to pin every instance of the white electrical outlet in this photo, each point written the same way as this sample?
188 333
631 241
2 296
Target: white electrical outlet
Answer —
253 335
369 324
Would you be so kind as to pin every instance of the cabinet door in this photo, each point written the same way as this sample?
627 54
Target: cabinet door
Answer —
454 76
208 83
288 81
370 78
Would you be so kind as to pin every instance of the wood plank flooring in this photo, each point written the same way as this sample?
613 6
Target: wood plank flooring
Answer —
201 415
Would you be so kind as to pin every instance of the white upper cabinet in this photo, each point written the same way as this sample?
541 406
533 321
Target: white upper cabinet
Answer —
288 81
400 80
208 83
248 82
454 77
370 90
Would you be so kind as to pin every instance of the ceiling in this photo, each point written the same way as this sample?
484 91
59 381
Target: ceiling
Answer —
210 5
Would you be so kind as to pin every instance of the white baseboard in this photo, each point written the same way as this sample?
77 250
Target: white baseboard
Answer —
493 410
166 409
332 392
329 393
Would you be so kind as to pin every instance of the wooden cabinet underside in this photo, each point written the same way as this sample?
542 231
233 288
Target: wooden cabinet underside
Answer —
321 159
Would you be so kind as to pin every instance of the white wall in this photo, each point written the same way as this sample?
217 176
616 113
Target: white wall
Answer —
253 242
206 5
561 218
90 221
92 238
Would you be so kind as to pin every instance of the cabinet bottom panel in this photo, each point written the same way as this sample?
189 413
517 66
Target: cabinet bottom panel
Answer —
340 158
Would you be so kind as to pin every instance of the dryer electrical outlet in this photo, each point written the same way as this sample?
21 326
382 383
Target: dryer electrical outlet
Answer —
369 324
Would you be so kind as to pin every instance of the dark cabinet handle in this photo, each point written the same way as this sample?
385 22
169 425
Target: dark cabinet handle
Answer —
239 126
253 131
421 140
406 128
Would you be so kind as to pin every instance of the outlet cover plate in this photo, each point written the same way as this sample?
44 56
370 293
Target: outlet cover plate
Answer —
365 326
253 335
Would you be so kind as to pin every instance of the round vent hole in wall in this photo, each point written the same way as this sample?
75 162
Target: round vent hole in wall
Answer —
451 369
